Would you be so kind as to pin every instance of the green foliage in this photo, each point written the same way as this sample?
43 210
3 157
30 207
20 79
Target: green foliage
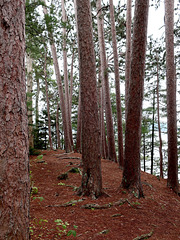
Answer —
40 157
40 222
34 190
62 228
39 198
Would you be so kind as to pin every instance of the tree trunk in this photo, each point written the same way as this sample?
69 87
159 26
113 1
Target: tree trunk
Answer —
152 135
117 84
37 112
14 146
105 81
71 84
171 97
66 82
128 52
79 126
131 174
29 100
60 88
101 120
91 177
47 100
57 127
159 125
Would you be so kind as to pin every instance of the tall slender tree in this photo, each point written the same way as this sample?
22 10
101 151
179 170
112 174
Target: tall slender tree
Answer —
171 98
47 98
91 177
29 64
159 124
105 82
65 64
117 84
59 83
14 146
131 174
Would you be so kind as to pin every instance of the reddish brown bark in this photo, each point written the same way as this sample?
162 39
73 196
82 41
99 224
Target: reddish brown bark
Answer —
57 127
14 163
29 100
128 52
117 84
60 89
171 97
91 177
105 82
159 125
78 135
47 100
131 174
66 82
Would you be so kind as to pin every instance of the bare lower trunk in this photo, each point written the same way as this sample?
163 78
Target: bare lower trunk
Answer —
171 98
79 126
117 84
57 127
159 125
66 82
14 145
152 134
29 100
105 81
60 89
131 174
47 101
91 178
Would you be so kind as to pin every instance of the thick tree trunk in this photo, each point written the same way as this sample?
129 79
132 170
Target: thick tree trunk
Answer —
91 177
131 174
171 97
128 52
29 100
159 125
117 84
47 100
60 89
105 81
14 146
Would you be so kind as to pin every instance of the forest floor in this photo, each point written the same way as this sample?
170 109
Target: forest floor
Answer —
56 211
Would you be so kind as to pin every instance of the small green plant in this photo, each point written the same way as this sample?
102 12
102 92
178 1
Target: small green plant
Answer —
31 230
40 222
61 184
39 198
34 190
39 157
62 228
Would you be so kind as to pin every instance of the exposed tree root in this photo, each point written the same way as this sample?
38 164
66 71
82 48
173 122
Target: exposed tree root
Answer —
108 205
67 204
144 236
